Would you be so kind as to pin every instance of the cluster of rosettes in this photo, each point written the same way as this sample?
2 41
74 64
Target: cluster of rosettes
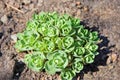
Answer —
58 43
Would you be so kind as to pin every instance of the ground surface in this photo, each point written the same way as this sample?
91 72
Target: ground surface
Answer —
101 15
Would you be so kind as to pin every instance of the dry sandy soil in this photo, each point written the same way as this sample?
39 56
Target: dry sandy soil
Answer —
100 15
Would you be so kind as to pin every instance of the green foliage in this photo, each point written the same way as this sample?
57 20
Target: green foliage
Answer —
77 65
67 74
57 60
58 43
35 61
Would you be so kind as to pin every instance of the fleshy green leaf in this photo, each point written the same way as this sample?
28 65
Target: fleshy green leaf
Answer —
40 46
26 40
79 51
59 60
83 33
79 42
67 74
32 25
49 67
67 42
35 61
89 58
77 65
94 36
65 29
91 46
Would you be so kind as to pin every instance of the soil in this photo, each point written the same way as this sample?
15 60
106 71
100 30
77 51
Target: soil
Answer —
100 15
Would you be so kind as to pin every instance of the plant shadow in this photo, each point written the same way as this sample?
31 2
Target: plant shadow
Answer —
0 54
101 59
18 69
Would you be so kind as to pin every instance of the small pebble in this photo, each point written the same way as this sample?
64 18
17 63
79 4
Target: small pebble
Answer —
110 67
26 1
94 74
114 57
17 74
108 60
78 3
100 67
4 19
85 9
79 6
14 37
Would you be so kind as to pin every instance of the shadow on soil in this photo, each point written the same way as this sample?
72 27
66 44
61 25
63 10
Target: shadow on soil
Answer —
0 54
100 60
18 69
1 34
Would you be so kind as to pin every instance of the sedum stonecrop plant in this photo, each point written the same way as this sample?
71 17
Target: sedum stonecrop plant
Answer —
57 43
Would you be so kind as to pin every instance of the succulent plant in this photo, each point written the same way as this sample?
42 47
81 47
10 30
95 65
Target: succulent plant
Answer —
57 43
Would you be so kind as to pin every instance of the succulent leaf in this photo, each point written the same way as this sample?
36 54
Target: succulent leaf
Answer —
35 61
67 74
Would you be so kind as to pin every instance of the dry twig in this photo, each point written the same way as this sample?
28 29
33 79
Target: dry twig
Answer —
8 5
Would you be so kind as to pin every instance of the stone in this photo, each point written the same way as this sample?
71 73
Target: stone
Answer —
4 19
14 37
114 57
26 1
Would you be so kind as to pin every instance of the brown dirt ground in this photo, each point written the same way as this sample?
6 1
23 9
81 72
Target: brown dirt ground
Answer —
101 15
